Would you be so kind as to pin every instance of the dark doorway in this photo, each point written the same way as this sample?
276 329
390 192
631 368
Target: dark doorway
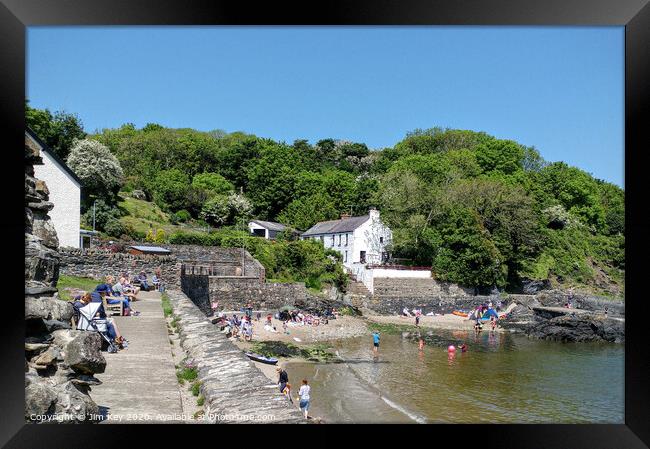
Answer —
362 256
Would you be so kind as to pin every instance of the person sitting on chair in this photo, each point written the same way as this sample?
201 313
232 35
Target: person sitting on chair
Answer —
103 291
111 328
142 277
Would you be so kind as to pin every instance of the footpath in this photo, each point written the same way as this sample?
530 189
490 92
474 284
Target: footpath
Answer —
139 384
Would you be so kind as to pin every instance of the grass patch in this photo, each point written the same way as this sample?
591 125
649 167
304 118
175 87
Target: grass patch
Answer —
200 401
195 388
317 353
198 414
174 324
68 283
389 328
166 305
186 374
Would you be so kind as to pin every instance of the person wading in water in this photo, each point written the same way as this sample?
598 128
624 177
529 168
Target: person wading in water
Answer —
375 343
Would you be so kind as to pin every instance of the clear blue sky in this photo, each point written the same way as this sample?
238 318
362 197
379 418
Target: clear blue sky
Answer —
560 89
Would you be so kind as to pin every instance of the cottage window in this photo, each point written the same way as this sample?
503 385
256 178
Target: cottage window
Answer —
346 256
339 239
381 240
332 240
346 239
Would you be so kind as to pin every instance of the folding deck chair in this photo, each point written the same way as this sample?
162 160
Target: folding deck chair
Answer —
88 322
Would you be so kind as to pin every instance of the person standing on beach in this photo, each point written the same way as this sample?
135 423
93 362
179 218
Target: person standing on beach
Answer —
375 342
304 397
283 378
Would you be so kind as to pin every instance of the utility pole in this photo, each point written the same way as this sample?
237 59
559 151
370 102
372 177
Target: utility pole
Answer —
243 240
91 237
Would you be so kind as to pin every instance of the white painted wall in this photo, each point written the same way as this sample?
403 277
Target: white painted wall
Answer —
368 237
367 275
65 194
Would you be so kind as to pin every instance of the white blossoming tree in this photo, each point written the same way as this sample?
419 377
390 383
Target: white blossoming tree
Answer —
226 209
97 168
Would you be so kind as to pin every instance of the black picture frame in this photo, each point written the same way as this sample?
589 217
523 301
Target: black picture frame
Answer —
15 15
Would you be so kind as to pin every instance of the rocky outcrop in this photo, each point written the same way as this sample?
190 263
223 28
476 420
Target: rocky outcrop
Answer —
59 362
578 328
234 389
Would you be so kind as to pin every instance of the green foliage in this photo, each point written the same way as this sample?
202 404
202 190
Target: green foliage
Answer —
58 130
166 305
213 183
105 214
319 352
200 401
170 189
182 216
195 388
479 210
186 374
114 228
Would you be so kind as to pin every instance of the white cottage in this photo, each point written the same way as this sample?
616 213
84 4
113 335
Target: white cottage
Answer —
360 240
65 193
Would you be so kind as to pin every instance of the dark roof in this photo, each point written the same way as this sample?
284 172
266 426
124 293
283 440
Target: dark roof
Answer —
52 154
270 225
336 226
151 249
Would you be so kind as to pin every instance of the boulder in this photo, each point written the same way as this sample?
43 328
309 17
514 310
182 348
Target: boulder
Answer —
81 350
43 228
139 195
40 399
48 308
578 328
49 357
530 286
74 405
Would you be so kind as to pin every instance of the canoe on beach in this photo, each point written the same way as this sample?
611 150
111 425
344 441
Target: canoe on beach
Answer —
459 313
261 358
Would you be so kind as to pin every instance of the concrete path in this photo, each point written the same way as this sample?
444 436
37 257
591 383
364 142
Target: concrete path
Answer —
139 384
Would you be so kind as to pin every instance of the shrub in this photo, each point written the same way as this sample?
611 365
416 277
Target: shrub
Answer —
182 216
114 227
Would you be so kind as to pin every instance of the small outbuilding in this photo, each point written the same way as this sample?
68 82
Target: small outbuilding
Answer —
267 229
149 250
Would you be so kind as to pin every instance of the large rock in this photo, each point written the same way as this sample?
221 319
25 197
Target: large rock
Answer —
578 328
40 399
530 286
48 308
41 262
43 228
81 350
74 405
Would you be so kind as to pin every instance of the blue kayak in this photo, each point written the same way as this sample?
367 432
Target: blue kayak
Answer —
261 358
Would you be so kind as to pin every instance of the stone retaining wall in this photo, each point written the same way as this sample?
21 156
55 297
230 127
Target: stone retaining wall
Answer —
99 263
234 389
391 295
233 292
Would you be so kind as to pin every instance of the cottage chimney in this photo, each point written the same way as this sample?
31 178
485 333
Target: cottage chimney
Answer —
374 213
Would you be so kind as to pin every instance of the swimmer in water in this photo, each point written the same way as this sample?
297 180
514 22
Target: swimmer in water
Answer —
421 344
463 347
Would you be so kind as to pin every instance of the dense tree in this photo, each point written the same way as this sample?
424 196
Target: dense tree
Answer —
170 189
213 183
58 130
